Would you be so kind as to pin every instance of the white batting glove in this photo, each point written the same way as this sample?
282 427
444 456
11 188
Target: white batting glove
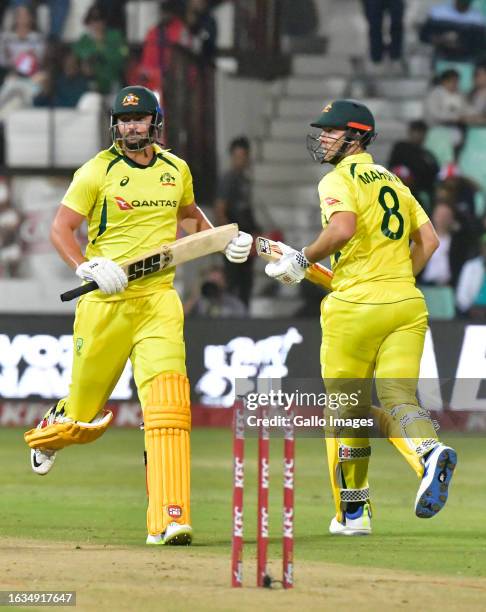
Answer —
289 269
286 249
109 276
239 248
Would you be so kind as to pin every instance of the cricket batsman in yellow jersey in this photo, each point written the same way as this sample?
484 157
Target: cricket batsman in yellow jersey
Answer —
374 320
132 196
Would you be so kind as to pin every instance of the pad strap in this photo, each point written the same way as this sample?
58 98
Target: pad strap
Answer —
355 495
168 403
348 453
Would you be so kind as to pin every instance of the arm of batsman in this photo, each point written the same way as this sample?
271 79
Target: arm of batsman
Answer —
109 276
239 248
289 269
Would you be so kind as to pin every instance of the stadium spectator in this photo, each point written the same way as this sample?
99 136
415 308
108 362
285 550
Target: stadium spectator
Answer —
445 104
21 86
10 249
212 299
58 13
476 112
414 164
375 12
157 47
445 264
456 30
203 29
460 192
22 45
66 88
114 13
102 52
471 288
234 205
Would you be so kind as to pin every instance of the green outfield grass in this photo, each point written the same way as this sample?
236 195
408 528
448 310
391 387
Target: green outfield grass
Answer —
96 494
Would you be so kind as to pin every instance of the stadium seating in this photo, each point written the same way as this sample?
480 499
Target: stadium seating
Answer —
465 70
61 138
440 142
440 302
472 160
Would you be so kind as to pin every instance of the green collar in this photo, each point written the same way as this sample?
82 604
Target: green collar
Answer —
359 158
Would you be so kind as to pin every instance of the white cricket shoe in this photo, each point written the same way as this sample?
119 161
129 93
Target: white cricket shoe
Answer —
174 535
356 523
434 487
42 459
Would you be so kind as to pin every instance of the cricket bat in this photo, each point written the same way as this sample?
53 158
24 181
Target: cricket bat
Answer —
316 273
169 255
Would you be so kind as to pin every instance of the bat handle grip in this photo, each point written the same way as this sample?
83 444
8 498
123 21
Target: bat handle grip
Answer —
74 293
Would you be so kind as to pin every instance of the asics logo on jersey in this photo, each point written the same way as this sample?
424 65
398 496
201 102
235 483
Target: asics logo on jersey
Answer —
123 204
124 181
167 179
130 100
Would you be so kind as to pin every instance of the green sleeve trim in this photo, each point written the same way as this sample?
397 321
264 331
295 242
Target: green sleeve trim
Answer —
103 221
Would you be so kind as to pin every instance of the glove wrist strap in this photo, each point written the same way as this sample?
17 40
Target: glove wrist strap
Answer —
302 259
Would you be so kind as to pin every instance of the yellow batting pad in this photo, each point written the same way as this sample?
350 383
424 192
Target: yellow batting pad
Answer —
168 402
167 421
65 432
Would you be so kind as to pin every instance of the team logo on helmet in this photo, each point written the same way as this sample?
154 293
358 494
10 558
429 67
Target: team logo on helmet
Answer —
130 100
327 108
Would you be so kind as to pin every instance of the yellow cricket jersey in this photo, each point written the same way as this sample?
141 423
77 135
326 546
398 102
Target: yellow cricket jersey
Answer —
375 265
130 210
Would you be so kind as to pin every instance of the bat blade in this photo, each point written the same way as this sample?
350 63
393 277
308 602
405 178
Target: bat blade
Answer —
169 255
269 250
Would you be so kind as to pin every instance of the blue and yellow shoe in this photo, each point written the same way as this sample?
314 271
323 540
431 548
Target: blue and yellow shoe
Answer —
434 488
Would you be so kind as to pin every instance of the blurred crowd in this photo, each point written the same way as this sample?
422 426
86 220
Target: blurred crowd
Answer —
442 159
38 68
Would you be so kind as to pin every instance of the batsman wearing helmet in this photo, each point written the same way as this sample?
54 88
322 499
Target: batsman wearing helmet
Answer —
374 320
132 196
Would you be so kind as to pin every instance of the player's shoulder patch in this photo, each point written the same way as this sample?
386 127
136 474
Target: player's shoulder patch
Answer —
331 201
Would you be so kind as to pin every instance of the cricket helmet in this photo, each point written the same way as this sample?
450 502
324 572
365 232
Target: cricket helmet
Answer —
353 117
138 100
